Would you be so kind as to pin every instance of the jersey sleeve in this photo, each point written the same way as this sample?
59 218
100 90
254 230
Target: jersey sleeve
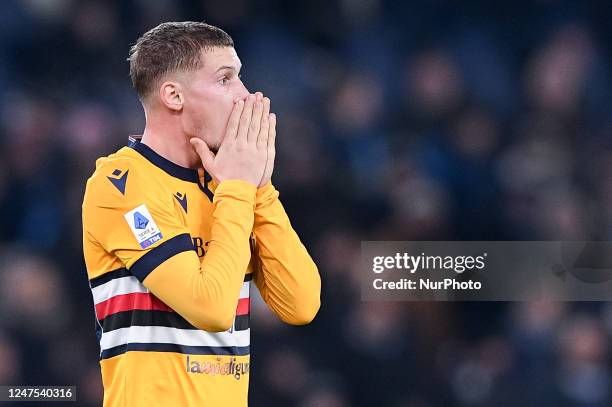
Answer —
287 279
207 295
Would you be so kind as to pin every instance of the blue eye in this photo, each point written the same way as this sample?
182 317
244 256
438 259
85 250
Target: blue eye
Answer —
224 80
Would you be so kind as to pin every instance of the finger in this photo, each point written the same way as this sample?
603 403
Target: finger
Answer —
207 156
271 152
266 111
272 136
233 121
245 119
262 139
255 122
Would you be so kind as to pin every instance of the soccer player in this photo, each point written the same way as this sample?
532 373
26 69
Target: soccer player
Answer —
177 225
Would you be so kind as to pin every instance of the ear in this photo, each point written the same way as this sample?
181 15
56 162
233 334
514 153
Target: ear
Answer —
171 95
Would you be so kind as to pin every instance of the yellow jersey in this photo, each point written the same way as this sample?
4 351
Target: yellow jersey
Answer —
170 258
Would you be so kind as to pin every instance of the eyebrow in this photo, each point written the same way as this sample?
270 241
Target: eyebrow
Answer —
233 68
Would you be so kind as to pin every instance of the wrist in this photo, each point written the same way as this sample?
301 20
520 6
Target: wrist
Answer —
265 194
264 185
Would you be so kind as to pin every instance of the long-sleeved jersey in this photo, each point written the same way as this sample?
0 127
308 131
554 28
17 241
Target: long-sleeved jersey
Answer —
170 258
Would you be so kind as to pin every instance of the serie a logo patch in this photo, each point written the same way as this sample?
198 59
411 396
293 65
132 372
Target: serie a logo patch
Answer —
143 226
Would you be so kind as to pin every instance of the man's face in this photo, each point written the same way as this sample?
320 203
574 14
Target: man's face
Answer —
210 93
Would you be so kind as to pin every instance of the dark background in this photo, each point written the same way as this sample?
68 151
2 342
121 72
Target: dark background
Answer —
420 120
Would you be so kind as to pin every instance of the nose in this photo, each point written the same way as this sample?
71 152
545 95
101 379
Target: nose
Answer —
243 92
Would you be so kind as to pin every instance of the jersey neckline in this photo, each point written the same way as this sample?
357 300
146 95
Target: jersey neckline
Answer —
175 170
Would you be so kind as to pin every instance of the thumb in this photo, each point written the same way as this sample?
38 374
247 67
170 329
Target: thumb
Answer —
207 156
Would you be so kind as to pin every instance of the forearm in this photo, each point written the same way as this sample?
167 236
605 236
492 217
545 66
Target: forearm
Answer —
288 280
206 295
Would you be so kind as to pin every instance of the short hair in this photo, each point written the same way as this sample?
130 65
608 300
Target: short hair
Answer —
171 47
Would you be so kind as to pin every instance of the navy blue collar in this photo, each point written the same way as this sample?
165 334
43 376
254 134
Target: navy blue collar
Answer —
186 174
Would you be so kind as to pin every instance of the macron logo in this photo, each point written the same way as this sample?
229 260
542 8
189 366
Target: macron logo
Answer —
182 199
120 182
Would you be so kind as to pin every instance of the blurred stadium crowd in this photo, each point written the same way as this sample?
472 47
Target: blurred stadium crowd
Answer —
427 120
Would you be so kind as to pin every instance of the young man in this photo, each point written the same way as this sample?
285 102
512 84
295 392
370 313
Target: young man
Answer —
171 248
